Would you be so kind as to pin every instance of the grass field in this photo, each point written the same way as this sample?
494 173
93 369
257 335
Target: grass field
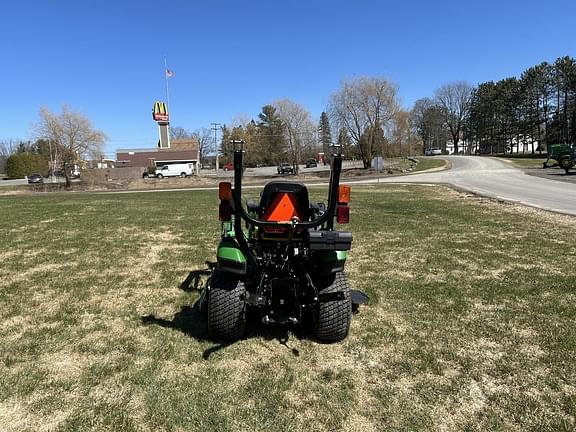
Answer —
470 325
429 163
528 162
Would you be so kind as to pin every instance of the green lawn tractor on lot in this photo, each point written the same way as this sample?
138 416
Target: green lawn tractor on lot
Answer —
563 154
282 260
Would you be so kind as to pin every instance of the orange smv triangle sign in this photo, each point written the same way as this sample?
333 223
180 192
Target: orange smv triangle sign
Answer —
282 209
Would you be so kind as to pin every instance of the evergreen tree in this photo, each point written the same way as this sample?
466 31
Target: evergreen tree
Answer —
226 150
270 135
325 136
516 114
25 163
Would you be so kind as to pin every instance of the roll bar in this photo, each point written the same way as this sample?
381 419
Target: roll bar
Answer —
328 215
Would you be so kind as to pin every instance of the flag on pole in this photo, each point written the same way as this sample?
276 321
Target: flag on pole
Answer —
169 73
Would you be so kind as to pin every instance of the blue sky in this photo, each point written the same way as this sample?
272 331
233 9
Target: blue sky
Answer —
105 59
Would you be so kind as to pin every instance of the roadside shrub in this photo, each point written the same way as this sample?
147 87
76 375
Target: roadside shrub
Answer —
22 164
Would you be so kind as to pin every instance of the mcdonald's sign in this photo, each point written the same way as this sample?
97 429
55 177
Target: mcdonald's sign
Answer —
160 112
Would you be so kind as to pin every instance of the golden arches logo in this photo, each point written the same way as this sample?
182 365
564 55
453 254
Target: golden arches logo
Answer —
160 111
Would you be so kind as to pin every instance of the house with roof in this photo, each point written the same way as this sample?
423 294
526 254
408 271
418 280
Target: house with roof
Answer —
178 151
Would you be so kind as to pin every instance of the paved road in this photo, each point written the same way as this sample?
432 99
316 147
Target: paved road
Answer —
16 182
494 178
270 171
482 175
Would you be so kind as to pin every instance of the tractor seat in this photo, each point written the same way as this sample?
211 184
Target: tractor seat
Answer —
276 193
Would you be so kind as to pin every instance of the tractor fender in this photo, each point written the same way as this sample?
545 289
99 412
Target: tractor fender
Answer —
328 262
230 257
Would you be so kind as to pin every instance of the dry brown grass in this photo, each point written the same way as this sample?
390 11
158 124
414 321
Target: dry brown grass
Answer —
467 329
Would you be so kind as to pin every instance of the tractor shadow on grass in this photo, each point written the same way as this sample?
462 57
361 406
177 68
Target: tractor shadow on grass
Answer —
192 321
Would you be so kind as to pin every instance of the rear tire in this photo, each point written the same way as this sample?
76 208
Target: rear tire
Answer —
159 176
182 175
226 307
332 319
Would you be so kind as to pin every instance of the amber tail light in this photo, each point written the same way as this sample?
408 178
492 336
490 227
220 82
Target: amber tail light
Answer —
225 191
343 194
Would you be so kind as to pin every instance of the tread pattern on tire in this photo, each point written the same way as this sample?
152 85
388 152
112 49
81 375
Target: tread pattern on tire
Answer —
226 307
332 320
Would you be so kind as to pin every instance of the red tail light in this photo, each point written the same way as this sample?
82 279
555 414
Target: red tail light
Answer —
343 214
225 211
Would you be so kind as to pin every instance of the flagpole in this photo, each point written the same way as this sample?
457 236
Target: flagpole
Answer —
166 78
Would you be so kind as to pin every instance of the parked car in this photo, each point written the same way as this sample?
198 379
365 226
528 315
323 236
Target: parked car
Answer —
228 166
35 178
175 170
433 152
285 168
311 163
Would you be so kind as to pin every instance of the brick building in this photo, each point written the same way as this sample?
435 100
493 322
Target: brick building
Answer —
180 151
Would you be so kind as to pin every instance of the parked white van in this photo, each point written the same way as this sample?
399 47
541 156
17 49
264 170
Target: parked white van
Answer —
175 170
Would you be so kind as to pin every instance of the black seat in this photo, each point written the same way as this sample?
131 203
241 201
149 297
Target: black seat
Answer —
272 189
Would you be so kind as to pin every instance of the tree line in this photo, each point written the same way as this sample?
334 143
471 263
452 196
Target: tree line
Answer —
516 114
62 141
363 117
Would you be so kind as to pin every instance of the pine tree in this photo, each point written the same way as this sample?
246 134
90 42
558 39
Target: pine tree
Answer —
325 135
270 135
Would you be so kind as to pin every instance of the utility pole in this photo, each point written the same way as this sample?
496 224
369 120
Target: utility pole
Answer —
52 180
215 127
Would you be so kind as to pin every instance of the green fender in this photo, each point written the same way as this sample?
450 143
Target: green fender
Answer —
326 262
230 258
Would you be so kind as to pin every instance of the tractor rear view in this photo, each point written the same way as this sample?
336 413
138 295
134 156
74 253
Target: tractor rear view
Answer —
282 259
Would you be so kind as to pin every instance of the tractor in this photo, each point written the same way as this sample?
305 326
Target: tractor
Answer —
281 259
563 154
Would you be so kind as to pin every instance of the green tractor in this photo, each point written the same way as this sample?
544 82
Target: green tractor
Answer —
563 154
285 263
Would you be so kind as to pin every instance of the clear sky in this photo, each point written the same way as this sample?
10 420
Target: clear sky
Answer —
105 58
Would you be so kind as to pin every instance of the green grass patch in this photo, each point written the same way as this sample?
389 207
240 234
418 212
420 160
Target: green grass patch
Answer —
470 325
527 162
429 163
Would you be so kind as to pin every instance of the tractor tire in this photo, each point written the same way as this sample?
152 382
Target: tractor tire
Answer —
226 307
565 162
332 318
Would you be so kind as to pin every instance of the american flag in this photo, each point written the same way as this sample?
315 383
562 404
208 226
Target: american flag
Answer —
169 73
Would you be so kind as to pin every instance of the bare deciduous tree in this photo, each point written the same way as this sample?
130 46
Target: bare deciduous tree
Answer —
402 139
362 106
298 127
205 142
454 98
178 132
73 136
8 147
427 122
